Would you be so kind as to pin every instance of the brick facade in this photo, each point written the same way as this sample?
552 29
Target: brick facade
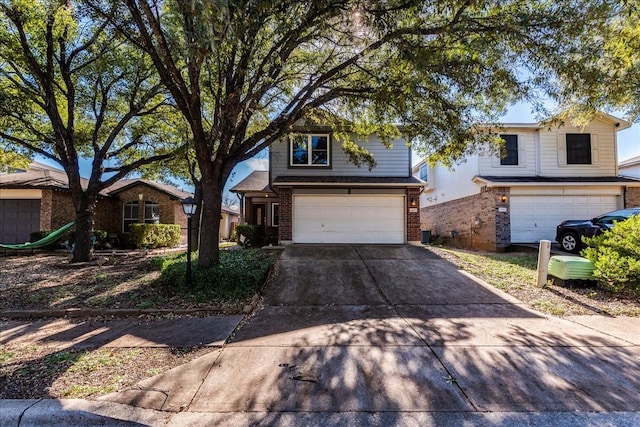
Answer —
632 197
473 222
413 214
285 228
56 209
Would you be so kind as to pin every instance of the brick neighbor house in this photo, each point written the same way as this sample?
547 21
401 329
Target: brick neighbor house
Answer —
38 198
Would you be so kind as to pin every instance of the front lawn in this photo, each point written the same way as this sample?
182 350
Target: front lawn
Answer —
515 274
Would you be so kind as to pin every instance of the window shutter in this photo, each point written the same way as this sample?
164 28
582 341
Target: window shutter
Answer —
595 152
562 149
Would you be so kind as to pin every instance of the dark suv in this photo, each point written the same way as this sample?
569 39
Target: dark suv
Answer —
569 233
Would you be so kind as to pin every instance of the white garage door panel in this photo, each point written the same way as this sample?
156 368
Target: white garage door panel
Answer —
348 219
534 218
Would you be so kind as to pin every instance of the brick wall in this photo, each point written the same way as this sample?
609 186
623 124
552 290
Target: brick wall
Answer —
413 218
45 209
62 209
285 229
632 197
475 220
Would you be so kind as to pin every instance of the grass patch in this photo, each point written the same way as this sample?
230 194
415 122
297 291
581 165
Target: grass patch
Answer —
516 274
239 275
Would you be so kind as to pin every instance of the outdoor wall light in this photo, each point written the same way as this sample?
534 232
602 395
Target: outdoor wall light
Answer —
504 198
412 201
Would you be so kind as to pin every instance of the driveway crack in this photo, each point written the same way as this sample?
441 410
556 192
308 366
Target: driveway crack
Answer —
451 379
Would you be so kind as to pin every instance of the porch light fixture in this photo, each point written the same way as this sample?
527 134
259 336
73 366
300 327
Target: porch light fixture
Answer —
189 207
412 201
504 198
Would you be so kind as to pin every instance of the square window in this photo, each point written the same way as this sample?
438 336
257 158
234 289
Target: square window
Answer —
510 157
309 150
578 148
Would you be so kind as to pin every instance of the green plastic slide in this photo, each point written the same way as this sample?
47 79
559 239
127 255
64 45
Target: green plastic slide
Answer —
44 242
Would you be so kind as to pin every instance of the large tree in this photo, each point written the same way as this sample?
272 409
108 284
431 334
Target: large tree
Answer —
244 72
608 75
71 88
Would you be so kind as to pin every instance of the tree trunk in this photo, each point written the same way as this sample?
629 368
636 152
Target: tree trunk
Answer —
195 230
209 251
83 246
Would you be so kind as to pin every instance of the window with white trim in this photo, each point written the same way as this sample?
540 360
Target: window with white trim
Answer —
309 150
130 215
424 173
510 157
151 213
275 214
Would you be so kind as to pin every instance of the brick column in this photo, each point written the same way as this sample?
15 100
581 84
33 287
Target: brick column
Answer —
503 219
631 197
285 227
46 208
413 215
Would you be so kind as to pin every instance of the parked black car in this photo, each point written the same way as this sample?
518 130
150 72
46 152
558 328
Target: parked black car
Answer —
569 233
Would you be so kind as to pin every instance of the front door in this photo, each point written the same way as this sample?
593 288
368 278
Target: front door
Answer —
259 214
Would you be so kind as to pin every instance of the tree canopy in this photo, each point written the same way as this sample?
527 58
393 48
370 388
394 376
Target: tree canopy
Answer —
71 88
243 73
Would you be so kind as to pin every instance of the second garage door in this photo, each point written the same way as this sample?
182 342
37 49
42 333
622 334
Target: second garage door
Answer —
18 218
348 219
535 218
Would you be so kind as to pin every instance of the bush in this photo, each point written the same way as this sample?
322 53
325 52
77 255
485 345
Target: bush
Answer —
238 276
154 235
252 233
616 256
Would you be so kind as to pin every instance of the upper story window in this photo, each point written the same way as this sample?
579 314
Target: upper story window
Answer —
424 173
510 150
151 212
309 150
130 215
578 148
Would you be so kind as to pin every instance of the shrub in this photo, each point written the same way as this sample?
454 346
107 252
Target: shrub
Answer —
250 232
238 276
616 256
154 235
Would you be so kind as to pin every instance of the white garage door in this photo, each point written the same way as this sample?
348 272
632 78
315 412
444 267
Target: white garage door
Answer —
348 219
535 218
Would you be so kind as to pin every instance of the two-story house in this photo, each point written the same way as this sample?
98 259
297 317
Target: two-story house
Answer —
312 193
549 174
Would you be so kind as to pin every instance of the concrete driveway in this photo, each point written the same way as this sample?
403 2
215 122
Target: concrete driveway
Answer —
395 330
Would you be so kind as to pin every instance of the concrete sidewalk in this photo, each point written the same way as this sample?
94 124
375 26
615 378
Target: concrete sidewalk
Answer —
384 335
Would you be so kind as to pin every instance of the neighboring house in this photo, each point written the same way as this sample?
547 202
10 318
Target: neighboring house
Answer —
229 218
313 194
39 199
630 167
549 174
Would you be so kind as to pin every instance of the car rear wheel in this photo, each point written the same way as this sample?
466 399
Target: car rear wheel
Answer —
570 242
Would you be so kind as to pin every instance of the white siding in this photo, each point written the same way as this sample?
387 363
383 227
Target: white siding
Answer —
450 184
603 151
631 170
394 162
490 164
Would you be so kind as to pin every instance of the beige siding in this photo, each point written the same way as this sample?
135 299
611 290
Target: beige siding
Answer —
490 164
391 162
603 151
